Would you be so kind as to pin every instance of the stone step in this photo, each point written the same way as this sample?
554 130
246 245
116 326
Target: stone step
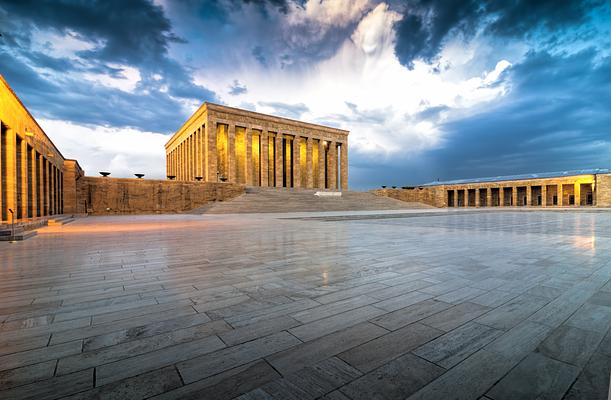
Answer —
60 220
18 236
275 200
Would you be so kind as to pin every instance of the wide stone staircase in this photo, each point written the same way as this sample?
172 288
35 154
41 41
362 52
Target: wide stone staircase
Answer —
60 220
275 200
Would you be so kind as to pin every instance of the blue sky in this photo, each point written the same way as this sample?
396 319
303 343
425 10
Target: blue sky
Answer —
430 89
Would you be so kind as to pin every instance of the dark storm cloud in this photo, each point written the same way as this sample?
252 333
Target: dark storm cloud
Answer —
556 118
134 33
76 102
426 24
285 109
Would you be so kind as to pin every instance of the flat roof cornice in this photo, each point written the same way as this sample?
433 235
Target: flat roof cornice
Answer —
208 106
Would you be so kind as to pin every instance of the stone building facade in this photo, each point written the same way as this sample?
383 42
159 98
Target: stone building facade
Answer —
31 167
219 143
579 188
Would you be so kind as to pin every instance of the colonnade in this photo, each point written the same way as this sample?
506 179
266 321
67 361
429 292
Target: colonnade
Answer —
557 194
31 185
259 157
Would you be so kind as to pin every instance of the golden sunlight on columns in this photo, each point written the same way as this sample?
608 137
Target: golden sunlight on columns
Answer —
309 164
288 162
2 175
254 169
231 151
514 196
222 144
271 159
264 158
32 187
279 160
296 164
211 151
240 154
303 164
249 166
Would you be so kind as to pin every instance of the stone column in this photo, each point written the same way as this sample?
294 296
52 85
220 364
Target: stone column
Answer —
489 197
297 162
321 164
332 166
309 169
24 179
202 154
514 196
211 151
264 158
529 195
11 174
502 197
34 181
577 194
476 197
41 187
344 166
543 195
248 173
455 198
279 160
231 151
559 195
50 187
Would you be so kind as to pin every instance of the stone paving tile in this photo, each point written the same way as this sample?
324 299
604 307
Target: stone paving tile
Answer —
138 387
535 377
460 295
593 382
405 316
453 347
321 327
454 317
513 312
196 368
226 385
571 345
309 353
132 366
494 298
377 352
28 374
395 380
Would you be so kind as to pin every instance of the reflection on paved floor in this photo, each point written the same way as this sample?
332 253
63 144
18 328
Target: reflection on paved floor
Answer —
507 305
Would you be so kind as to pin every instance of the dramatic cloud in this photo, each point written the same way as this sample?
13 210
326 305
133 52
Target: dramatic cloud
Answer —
428 88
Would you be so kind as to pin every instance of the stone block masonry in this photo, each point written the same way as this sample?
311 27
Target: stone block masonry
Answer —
103 196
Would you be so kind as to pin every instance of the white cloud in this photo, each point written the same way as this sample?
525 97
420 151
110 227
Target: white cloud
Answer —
126 79
366 72
123 152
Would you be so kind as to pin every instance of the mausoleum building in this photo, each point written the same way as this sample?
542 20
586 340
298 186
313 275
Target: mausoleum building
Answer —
219 143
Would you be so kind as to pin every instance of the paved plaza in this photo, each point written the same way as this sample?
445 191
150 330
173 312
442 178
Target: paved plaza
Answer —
422 304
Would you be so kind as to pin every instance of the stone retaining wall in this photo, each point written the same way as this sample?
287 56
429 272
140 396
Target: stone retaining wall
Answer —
103 196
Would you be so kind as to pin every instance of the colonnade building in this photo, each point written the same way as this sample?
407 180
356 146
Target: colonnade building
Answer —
31 167
578 188
219 143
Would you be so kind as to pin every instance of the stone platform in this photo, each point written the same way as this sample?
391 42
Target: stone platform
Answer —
417 304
